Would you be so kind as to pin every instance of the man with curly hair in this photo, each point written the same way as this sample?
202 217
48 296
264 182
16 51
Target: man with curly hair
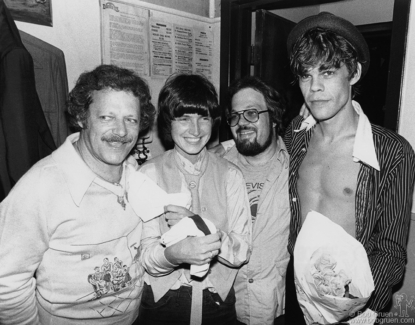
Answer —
70 211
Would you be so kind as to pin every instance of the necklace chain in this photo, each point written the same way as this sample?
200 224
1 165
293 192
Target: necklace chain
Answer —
121 199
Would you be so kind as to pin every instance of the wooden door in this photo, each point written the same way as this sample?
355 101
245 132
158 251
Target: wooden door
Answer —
270 58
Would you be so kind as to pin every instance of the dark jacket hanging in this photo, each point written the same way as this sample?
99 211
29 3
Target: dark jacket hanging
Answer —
24 134
51 83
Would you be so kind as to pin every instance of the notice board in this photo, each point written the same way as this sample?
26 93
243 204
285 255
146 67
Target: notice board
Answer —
155 42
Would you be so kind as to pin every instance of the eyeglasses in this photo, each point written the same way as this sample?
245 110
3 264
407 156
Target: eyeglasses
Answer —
251 115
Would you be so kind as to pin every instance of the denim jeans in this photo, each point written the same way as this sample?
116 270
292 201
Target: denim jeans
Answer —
174 308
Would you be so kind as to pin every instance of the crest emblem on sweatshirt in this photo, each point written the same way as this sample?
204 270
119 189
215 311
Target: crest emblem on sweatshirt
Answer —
109 277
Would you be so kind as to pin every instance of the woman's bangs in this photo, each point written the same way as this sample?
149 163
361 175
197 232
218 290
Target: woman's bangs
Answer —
194 108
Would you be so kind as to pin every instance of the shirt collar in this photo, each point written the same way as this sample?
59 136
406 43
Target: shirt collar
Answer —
363 148
78 176
188 166
283 155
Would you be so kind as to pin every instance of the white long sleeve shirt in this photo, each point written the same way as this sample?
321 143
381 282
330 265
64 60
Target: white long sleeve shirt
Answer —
64 226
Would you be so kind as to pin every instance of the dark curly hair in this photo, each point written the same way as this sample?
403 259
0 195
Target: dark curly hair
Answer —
322 47
275 102
109 77
186 94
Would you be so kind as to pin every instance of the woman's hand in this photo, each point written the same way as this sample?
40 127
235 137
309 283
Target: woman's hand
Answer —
174 213
194 250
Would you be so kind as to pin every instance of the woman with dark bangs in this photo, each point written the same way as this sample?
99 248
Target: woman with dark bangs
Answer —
188 109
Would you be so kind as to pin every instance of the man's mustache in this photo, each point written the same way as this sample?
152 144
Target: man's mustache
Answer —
116 138
245 128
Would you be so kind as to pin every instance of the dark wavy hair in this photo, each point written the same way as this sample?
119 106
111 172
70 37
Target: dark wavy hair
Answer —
322 47
275 102
109 77
186 94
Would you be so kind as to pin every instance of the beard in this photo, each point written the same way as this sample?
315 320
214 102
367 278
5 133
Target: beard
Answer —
252 147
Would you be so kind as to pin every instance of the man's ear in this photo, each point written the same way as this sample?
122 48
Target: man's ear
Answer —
357 74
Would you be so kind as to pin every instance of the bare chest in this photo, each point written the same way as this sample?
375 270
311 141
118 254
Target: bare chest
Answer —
327 183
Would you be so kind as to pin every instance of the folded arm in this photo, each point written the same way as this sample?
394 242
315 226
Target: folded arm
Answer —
236 243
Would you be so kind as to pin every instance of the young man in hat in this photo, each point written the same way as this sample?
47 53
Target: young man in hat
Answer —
359 175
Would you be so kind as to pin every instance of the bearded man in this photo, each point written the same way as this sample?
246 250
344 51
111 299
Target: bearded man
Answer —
255 117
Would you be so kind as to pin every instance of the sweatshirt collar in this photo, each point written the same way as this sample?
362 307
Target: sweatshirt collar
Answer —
78 176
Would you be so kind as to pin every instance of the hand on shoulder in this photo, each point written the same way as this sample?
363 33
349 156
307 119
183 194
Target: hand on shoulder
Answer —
222 148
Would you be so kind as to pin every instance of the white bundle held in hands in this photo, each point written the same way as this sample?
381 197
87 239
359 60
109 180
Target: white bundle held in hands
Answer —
184 228
332 272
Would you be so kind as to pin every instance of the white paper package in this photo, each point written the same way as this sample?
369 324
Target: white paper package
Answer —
148 199
332 273
185 228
